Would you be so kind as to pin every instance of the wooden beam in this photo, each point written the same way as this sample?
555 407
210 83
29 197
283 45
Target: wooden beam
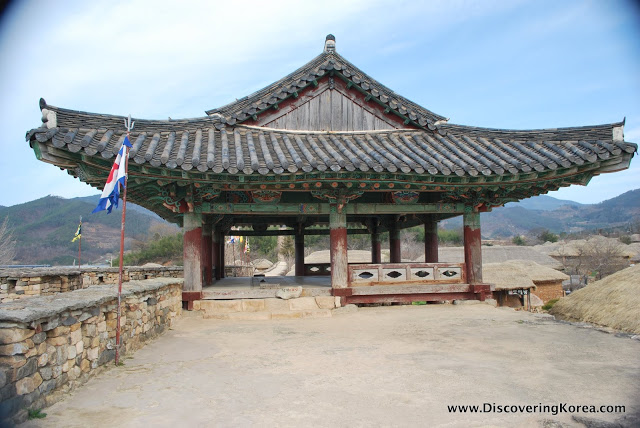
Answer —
289 232
323 208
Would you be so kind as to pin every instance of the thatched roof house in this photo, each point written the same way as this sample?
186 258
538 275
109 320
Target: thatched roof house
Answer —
634 248
576 247
611 302
545 282
262 264
355 256
498 254
507 276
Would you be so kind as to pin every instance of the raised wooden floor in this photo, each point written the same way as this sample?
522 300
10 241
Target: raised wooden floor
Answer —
265 287
312 286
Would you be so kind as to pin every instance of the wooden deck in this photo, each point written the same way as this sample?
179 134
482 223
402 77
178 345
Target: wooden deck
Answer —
265 287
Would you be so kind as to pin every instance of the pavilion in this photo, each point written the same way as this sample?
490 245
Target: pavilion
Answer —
329 145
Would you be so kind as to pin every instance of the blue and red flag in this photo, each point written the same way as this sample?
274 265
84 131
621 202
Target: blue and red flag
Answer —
117 177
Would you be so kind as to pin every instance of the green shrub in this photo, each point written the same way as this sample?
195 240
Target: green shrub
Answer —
519 240
626 239
448 236
36 414
547 236
549 304
159 250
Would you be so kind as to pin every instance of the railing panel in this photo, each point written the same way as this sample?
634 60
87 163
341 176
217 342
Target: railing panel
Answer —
394 274
317 269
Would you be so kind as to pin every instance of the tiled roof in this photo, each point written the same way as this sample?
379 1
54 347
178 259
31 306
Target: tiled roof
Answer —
323 65
208 145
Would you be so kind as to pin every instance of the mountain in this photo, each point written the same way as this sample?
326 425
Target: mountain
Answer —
521 218
43 229
130 206
543 203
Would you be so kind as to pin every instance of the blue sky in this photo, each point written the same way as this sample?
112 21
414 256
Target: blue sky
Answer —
504 64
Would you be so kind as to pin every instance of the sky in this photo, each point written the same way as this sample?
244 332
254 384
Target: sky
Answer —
491 63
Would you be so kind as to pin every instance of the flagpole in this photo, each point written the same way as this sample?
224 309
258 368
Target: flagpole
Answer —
80 246
129 125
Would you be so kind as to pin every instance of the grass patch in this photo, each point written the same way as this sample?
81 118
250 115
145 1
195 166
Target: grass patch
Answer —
36 414
419 303
549 304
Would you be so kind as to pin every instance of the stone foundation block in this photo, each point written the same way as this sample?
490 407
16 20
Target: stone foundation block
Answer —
285 315
252 305
216 316
320 313
250 316
221 306
302 304
326 302
276 305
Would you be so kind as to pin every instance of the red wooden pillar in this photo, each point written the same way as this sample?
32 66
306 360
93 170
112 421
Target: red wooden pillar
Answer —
215 253
376 253
192 255
299 250
431 242
207 262
472 247
338 247
394 244
222 259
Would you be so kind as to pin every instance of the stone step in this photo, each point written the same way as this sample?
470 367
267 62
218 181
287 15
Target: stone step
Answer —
267 309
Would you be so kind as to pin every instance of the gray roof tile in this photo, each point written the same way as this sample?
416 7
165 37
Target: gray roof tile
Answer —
207 145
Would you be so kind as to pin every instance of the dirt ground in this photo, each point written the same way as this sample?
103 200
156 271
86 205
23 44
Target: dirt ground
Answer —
388 366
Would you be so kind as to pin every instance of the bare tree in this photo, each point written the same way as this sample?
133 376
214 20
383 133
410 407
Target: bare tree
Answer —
7 243
604 257
595 256
411 247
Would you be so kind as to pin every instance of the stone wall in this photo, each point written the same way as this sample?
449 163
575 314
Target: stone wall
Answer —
51 344
20 283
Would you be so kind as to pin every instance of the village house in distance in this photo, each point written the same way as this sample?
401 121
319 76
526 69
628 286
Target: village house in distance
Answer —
329 150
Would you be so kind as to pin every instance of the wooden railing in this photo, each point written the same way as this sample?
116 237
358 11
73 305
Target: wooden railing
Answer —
405 273
317 269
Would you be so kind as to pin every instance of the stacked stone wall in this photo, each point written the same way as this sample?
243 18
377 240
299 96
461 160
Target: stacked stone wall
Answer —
21 283
51 344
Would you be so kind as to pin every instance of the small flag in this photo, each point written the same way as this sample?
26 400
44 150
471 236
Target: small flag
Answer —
117 176
246 246
232 240
78 234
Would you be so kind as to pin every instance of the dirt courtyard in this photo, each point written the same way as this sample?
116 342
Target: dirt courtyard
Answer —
389 366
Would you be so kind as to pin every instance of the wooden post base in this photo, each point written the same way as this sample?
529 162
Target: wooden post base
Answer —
188 297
